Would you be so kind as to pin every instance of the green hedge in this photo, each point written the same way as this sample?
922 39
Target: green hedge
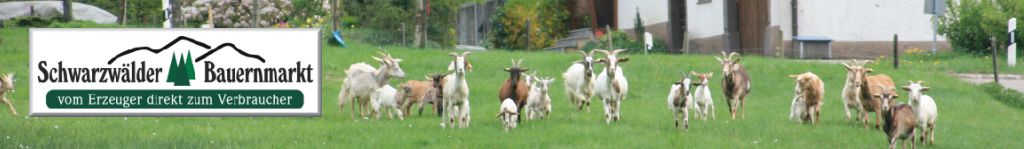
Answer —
1010 97
969 24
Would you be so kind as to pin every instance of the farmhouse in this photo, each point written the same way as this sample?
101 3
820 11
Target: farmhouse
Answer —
855 28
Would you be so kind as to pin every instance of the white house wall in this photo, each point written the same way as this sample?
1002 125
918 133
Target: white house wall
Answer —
651 12
862 20
706 19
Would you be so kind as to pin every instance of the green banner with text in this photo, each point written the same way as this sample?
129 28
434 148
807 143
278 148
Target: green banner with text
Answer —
178 99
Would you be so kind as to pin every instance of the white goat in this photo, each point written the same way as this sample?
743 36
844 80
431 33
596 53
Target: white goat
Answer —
386 97
679 101
456 92
507 113
538 103
797 109
924 108
855 73
579 80
361 80
7 86
702 96
611 85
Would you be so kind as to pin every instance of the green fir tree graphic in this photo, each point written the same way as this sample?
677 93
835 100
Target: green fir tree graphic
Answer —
181 70
188 67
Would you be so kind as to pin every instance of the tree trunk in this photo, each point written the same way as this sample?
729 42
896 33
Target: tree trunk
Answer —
68 11
420 29
334 15
124 12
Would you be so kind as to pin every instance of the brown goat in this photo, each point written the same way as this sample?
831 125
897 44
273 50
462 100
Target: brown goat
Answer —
419 92
812 90
899 119
735 83
514 87
871 86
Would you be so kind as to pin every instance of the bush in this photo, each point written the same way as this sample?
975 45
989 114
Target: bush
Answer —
622 41
548 25
82 24
32 21
384 25
968 25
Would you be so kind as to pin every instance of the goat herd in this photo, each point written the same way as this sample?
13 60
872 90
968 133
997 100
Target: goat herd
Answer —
528 94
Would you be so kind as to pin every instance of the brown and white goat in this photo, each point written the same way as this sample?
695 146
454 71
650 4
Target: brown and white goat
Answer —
7 86
899 119
735 83
679 101
871 86
611 84
361 80
855 72
514 87
810 91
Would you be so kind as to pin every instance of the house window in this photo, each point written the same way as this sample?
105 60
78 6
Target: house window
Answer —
703 1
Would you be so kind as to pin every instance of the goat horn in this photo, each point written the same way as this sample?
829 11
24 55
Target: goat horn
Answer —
454 54
920 81
603 51
731 55
583 52
911 81
466 53
724 55
618 50
519 63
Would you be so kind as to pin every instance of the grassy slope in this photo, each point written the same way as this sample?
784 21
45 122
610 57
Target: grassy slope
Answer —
969 117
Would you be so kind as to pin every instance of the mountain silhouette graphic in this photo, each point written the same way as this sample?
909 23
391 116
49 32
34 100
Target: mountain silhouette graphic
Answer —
193 41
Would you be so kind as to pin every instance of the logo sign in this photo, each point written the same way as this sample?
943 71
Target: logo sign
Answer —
174 72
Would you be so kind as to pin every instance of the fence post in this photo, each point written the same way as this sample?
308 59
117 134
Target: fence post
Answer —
995 57
403 34
895 51
527 34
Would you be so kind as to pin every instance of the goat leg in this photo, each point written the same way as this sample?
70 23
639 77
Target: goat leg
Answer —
10 105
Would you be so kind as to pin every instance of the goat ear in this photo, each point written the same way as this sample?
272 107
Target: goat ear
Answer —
507 69
378 59
710 74
694 73
736 61
906 88
602 60
925 88
525 69
623 60
869 70
695 84
877 95
469 66
792 76
397 60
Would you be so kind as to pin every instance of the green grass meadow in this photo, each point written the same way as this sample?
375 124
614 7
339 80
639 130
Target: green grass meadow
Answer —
968 117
